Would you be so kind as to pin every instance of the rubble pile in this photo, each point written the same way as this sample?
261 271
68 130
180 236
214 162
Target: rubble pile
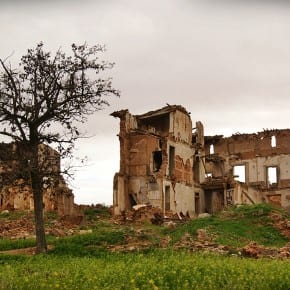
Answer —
60 228
203 242
17 229
282 224
140 213
131 244
255 250
149 213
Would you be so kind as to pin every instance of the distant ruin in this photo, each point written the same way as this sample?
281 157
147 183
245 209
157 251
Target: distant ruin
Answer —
168 163
15 188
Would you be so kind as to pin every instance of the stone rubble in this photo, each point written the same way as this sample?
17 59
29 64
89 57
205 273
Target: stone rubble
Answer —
22 227
255 250
149 213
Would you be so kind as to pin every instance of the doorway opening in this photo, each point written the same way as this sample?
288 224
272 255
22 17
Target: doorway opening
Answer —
167 198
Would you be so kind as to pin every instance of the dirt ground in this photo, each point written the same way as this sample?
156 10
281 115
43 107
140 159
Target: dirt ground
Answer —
25 251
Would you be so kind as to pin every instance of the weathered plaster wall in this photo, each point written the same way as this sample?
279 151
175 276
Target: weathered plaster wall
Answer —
181 127
243 194
214 200
184 158
119 194
141 154
184 199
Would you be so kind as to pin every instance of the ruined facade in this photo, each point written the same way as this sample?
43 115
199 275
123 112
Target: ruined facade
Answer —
168 163
157 157
15 189
254 168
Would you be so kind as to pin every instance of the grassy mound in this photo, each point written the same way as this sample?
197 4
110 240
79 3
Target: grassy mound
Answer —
237 226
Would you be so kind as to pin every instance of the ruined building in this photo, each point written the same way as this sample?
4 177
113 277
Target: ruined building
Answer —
168 163
15 189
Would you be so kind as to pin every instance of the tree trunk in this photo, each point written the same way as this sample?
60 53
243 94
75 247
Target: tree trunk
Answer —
36 184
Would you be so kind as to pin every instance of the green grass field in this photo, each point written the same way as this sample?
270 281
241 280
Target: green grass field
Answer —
85 262
157 269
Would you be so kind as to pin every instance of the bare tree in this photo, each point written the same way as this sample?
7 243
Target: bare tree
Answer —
42 101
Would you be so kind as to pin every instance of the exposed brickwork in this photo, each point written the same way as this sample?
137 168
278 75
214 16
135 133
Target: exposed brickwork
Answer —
183 171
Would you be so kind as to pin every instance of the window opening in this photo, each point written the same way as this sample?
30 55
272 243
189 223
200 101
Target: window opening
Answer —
273 141
211 149
208 175
272 175
157 160
167 198
171 160
240 173
132 199
196 203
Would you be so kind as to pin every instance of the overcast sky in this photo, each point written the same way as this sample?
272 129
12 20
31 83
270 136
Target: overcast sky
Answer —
226 61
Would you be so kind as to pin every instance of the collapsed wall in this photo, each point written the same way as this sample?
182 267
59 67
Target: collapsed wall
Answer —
15 188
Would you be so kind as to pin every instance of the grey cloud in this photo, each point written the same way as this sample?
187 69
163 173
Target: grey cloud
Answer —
247 3
226 61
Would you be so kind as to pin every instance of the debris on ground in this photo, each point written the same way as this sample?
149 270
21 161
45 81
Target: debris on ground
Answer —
254 250
203 242
22 226
148 213
131 244
282 224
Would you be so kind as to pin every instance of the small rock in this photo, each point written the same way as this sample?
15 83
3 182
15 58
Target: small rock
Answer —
70 232
202 235
138 206
170 225
203 215
83 232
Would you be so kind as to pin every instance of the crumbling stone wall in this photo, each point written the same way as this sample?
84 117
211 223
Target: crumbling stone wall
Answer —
15 188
